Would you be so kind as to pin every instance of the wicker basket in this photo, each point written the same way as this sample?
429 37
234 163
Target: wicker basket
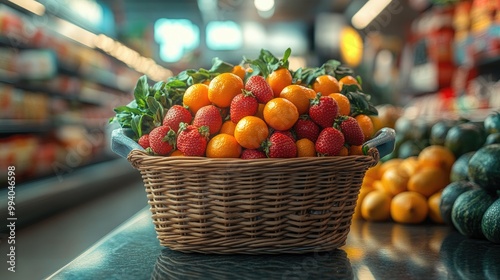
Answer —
260 206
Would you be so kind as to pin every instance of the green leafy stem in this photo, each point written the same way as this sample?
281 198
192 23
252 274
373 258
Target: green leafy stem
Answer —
150 103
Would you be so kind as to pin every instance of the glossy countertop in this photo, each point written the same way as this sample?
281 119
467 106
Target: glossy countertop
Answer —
373 251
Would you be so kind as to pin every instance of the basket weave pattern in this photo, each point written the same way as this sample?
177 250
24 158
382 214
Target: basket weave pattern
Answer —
261 206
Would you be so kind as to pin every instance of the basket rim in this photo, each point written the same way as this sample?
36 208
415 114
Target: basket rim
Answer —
135 157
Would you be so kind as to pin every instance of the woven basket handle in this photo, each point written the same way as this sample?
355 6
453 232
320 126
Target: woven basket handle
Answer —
122 144
384 141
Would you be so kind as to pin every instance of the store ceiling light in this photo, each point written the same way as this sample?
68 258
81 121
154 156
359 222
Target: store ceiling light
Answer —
75 32
30 5
224 35
132 58
265 8
264 5
368 13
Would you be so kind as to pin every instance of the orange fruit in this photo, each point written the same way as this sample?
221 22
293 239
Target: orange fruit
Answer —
367 182
312 92
227 127
326 84
260 111
239 71
373 172
376 206
434 210
377 123
395 180
280 113
223 88
305 148
343 103
436 155
409 208
279 79
366 125
344 151
299 95
356 150
223 146
176 153
348 80
377 185
250 132
362 194
409 165
388 164
428 180
195 97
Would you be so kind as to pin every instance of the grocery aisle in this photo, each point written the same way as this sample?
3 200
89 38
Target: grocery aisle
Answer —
47 245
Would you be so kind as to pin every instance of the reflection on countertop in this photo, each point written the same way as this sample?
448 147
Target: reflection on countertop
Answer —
177 265
373 251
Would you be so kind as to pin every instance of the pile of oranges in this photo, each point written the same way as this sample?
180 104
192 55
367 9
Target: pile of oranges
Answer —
245 132
406 190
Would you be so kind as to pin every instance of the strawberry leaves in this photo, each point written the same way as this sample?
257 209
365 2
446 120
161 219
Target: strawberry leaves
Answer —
309 74
191 76
148 108
360 101
267 62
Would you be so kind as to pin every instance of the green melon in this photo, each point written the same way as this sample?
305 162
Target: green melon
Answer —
492 123
460 168
463 138
448 196
408 149
493 138
468 210
490 224
439 131
484 168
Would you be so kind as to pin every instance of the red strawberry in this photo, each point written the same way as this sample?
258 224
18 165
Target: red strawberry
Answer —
260 88
306 128
280 145
144 141
210 116
192 140
175 115
287 133
252 153
349 126
242 105
323 110
330 142
162 140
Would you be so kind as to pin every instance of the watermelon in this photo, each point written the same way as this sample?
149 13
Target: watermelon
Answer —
449 195
468 210
484 168
490 224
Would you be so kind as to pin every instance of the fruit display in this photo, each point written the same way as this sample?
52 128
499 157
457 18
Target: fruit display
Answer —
450 175
406 190
259 108
475 209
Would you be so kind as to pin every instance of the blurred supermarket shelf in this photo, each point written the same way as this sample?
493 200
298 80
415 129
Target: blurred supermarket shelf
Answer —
23 126
40 198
